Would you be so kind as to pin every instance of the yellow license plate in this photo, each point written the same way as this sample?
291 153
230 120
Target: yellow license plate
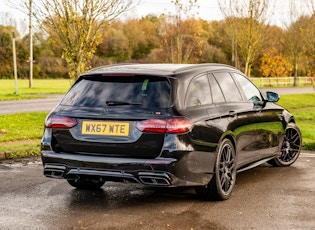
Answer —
105 128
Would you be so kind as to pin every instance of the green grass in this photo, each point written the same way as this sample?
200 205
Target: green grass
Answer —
10 147
18 149
20 133
21 126
40 88
302 106
298 101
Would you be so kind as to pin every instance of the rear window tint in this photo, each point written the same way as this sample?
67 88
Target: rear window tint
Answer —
141 91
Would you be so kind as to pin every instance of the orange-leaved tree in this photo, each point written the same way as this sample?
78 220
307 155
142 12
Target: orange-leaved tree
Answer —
274 65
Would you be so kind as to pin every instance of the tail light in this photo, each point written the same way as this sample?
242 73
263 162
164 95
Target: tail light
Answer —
60 122
172 126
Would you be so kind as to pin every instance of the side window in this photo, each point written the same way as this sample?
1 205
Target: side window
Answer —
198 92
228 87
250 90
217 94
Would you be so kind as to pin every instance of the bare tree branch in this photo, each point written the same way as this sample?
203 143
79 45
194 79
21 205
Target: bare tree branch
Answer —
77 26
248 19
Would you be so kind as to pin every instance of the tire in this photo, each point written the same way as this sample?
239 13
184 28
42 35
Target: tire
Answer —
222 183
291 147
86 183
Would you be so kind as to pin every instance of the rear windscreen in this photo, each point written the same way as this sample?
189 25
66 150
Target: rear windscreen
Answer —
100 91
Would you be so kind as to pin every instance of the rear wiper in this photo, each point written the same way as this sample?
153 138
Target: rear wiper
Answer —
114 103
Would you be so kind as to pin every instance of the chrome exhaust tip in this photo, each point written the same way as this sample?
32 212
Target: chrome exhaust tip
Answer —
155 179
54 171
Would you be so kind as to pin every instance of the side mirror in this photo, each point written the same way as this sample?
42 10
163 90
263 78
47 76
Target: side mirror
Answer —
272 96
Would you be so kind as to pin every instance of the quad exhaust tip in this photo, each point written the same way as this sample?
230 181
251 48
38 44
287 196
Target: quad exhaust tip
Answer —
155 179
146 178
57 172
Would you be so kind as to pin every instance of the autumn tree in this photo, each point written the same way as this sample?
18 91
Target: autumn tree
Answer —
77 26
294 37
131 39
245 28
309 45
214 49
6 52
28 5
181 34
183 43
300 37
219 39
294 43
274 64
114 46
48 63
142 35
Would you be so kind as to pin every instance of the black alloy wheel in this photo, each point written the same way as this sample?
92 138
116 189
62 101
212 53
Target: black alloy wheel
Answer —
291 147
222 183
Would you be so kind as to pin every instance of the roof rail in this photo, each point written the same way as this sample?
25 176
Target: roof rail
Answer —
193 66
183 67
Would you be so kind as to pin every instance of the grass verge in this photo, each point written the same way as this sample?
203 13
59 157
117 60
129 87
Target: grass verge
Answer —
20 134
40 88
302 106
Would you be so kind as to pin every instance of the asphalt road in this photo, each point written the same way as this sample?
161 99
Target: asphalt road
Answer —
31 105
46 104
264 198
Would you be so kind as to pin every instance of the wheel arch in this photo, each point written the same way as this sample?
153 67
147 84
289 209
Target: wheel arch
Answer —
230 136
222 183
288 117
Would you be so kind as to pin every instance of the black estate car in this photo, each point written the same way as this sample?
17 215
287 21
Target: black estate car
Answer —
166 125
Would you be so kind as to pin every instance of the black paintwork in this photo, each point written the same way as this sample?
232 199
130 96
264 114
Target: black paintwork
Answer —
256 130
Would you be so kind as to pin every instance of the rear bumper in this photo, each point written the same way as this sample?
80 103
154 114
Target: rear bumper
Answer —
189 169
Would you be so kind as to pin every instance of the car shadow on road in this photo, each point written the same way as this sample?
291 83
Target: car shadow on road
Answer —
119 195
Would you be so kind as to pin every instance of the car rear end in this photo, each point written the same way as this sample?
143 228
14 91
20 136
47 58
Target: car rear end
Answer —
116 127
